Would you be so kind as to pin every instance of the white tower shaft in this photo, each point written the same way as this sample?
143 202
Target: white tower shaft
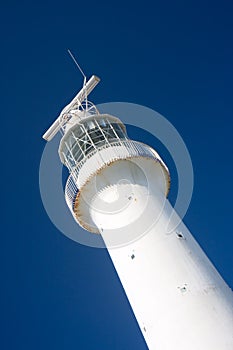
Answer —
179 299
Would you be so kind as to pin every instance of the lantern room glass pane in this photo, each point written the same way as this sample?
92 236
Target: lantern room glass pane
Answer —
88 136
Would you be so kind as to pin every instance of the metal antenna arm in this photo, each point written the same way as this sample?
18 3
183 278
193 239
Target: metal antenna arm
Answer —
78 99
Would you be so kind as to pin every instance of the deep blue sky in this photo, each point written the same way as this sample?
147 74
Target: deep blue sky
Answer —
172 56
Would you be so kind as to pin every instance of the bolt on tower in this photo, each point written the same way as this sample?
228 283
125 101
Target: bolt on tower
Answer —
117 187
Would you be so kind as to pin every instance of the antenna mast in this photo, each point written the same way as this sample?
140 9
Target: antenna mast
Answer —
76 102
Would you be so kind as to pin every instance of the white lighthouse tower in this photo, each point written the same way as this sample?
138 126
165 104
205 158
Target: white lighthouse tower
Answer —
117 188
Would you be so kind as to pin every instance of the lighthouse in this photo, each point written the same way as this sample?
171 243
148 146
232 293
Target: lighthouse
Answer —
118 188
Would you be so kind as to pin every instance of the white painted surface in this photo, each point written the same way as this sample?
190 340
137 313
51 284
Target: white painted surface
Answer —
127 166
179 299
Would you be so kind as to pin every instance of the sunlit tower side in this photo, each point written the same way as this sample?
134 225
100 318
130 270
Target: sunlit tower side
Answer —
117 188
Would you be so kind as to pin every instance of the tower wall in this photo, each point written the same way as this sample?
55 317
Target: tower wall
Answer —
179 299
